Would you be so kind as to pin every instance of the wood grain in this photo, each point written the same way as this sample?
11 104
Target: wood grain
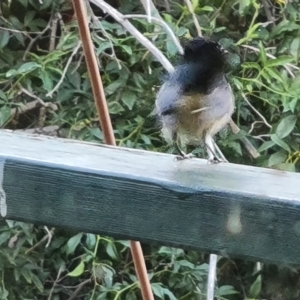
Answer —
233 210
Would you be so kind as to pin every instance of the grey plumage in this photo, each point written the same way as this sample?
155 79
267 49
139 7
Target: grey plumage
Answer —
196 101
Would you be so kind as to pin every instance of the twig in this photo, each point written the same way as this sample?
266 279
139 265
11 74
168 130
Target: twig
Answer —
42 117
149 11
55 20
163 24
140 37
286 66
191 10
33 40
78 289
154 13
38 99
211 276
98 24
45 237
49 236
256 111
55 282
20 31
50 94
267 8
253 126
250 148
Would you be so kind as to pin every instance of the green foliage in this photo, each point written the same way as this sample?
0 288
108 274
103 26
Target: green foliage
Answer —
40 56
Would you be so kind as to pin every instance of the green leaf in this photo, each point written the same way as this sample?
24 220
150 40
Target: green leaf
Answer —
288 167
274 74
24 2
3 96
115 108
266 145
37 282
27 274
285 25
127 49
207 8
282 60
195 4
171 47
286 126
292 104
225 290
73 243
277 158
77 271
5 114
262 53
47 81
295 86
255 288
4 38
110 89
295 48
29 17
129 99
251 65
4 237
158 290
11 72
28 67
169 294
103 46
279 142
243 4
112 251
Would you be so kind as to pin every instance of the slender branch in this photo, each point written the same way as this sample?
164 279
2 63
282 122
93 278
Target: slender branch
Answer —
253 126
268 12
78 289
140 37
163 24
256 111
45 237
213 258
55 283
64 71
55 20
38 99
286 66
33 40
191 10
250 148
149 17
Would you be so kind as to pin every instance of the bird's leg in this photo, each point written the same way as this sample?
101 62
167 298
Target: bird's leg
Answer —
182 155
211 150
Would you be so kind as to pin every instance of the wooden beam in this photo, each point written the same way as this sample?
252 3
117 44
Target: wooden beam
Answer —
234 210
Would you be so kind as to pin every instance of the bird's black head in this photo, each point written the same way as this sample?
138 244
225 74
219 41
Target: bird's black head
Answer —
205 51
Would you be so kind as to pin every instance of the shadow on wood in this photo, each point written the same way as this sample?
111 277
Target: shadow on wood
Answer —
234 210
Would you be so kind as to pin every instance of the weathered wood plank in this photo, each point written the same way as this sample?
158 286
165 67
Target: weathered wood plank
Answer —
230 209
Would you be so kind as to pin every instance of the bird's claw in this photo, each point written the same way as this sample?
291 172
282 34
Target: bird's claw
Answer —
215 160
184 156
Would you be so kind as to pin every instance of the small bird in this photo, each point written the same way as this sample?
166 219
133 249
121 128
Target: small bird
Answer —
196 101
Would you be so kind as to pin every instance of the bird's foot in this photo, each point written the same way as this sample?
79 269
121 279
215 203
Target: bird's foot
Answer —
184 156
215 160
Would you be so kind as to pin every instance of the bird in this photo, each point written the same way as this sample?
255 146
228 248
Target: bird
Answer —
196 101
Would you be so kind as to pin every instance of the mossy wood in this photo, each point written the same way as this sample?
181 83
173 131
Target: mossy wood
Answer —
234 210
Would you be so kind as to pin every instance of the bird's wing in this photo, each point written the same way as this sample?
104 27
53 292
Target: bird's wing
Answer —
168 96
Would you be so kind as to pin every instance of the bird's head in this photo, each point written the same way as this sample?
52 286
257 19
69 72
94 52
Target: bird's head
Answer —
202 50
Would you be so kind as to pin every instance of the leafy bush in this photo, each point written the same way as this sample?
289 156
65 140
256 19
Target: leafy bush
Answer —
44 82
